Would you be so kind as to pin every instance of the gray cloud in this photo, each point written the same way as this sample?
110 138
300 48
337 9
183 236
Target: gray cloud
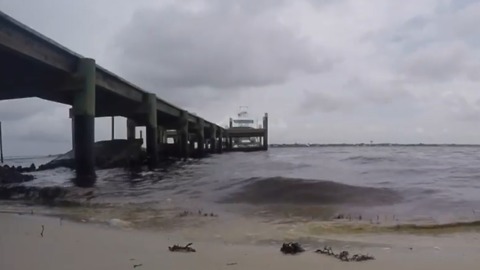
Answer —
326 103
383 92
441 62
232 44
398 71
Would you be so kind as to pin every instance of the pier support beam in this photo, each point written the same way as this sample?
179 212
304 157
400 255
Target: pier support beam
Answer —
113 128
161 140
183 135
191 144
200 134
229 143
265 135
84 124
220 141
161 135
131 126
213 139
150 102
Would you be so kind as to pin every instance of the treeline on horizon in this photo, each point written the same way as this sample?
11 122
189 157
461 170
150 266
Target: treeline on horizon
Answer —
368 144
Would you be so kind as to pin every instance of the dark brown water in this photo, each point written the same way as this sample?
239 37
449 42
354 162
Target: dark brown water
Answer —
366 189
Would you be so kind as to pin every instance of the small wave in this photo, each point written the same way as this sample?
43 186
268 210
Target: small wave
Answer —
442 227
368 160
280 190
411 228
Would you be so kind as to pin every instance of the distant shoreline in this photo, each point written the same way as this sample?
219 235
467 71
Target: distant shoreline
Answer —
301 145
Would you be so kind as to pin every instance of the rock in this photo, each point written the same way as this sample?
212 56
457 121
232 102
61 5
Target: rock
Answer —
186 248
10 175
291 248
108 154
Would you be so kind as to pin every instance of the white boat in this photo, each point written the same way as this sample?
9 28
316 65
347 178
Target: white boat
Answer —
243 120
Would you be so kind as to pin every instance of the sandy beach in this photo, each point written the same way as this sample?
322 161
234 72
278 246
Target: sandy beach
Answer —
71 245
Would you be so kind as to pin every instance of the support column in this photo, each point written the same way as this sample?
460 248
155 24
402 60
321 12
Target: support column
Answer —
113 128
213 139
70 112
220 141
265 134
1 144
131 125
200 134
229 143
183 135
161 134
191 144
151 128
84 125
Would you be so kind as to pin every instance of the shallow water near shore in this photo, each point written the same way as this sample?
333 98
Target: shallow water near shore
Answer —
293 193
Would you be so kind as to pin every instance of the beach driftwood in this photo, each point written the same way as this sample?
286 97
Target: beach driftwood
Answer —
187 248
291 248
343 256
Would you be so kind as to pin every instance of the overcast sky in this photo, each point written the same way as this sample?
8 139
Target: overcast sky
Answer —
326 71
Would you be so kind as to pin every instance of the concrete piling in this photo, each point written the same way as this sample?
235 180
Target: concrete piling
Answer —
191 144
229 143
265 135
131 126
200 136
220 141
183 135
213 140
1 144
161 139
113 128
151 128
84 124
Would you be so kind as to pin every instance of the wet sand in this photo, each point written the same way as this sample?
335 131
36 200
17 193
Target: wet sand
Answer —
70 245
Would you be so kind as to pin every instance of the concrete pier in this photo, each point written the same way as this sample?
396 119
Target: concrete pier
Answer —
84 123
33 65
237 134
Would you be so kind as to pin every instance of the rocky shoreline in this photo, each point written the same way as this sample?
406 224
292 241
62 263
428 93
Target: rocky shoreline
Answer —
14 175
126 154
108 154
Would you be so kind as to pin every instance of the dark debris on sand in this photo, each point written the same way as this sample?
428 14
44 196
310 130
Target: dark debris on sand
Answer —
343 256
294 248
186 248
291 248
200 213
